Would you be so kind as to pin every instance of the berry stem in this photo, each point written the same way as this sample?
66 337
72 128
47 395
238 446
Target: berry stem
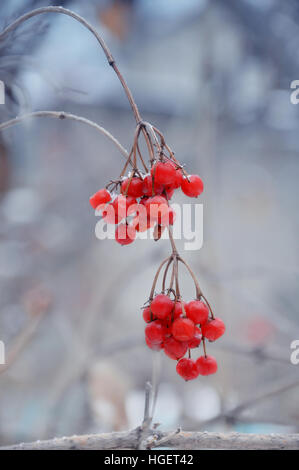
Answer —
204 346
156 278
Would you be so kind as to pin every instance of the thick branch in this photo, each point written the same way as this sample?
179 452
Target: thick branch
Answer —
176 440
62 115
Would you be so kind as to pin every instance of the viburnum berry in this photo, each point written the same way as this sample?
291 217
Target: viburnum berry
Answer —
175 349
213 329
187 369
183 329
125 234
206 365
133 187
148 187
197 311
154 346
193 187
163 173
196 340
155 332
148 316
162 306
100 197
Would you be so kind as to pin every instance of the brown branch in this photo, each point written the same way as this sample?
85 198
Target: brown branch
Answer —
173 439
75 16
62 115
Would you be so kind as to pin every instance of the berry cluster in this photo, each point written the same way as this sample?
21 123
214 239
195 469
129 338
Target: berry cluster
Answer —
177 327
137 202
143 199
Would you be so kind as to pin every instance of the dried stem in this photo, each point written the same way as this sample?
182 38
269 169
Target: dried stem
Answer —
62 115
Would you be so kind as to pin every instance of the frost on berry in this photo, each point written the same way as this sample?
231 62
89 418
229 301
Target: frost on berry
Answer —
213 329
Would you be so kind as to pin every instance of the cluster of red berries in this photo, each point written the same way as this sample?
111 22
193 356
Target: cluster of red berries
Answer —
177 327
143 201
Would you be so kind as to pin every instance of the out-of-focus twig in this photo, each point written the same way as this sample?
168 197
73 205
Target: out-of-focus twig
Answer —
62 115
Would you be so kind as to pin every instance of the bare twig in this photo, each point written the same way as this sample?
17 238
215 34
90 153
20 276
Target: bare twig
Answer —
62 115
176 440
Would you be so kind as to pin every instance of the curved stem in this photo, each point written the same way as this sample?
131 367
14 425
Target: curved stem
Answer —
165 273
197 288
109 56
62 115
156 278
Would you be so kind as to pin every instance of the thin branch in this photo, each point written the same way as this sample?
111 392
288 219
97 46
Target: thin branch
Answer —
62 115
173 439
75 16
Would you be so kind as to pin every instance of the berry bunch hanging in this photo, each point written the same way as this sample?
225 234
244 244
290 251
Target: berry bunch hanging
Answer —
142 202
139 200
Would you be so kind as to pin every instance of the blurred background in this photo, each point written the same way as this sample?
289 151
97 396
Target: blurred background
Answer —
215 77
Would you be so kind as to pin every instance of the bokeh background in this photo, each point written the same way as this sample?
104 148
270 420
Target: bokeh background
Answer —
215 77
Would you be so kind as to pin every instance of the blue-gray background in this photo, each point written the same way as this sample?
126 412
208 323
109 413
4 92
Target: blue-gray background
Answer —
215 77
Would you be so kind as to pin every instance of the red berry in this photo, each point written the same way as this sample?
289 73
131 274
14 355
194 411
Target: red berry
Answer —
163 173
134 189
197 311
193 188
206 365
187 369
178 311
155 332
196 340
148 315
125 234
183 329
162 306
213 329
118 209
175 349
169 190
154 346
101 197
158 209
148 186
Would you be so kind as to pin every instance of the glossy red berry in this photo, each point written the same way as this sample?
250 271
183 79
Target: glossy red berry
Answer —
162 306
178 310
183 329
187 369
154 346
206 365
213 329
163 173
155 332
175 349
132 188
192 188
101 197
125 234
197 311
148 187
196 340
148 315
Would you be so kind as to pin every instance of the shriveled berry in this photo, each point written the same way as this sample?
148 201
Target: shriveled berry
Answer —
196 340
162 306
125 234
163 173
155 332
193 187
154 346
206 365
213 329
100 197
175 349
187 369
133 187
183 329
197 311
